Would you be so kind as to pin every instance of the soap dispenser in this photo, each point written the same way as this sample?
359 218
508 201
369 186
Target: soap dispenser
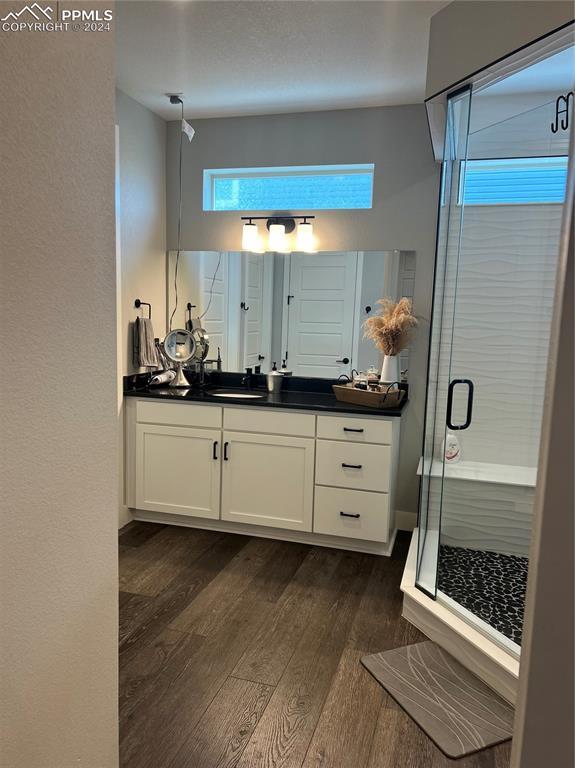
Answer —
274 380
451 449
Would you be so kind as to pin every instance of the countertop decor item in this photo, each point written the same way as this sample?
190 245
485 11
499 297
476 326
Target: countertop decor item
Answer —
382 396
390 330
274 380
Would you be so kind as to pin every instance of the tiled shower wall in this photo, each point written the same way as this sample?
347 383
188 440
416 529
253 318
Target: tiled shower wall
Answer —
503 288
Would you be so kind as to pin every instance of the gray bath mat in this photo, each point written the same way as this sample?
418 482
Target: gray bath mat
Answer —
456 710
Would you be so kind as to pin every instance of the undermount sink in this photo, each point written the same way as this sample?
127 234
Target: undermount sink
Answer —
241 395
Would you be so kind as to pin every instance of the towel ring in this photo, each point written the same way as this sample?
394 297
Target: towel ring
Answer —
139 304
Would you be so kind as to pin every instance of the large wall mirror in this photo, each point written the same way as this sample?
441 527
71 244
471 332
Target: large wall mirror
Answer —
307 309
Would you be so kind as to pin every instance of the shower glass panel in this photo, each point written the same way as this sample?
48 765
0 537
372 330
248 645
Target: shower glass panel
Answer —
450 219
498 249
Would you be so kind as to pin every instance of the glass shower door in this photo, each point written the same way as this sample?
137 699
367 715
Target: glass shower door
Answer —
498 246
431 467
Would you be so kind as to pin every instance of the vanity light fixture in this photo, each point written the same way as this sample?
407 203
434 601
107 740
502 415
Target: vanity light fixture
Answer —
277 240
251 240
279 227
305 241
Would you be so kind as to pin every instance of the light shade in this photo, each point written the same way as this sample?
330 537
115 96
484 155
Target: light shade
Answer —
251 240
305 240
277 239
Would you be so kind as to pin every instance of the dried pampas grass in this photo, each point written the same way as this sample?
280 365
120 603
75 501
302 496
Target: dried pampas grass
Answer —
391 329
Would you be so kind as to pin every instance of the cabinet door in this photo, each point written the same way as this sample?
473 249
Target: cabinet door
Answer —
268 480
176 470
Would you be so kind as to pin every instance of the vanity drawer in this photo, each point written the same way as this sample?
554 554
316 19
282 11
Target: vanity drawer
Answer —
269 422
357 430
351 514
178 414
352 465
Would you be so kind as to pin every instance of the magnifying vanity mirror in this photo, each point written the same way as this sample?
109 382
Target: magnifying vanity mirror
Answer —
306 309
202 341
180 348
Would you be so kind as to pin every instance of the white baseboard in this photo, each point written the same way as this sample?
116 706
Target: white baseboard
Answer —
405 521
124 516
302 537
485 658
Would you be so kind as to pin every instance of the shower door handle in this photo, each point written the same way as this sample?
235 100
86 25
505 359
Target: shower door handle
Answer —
451 388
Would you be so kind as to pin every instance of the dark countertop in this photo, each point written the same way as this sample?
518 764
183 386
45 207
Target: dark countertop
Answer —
298 400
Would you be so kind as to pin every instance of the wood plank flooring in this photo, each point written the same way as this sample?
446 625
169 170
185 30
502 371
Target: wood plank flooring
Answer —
239 651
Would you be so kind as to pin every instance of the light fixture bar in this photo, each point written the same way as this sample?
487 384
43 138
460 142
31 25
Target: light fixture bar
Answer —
267 218
279 227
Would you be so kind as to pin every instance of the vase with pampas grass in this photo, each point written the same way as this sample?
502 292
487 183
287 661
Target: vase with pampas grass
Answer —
391 330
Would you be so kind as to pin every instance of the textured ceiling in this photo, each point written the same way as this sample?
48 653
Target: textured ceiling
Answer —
242 58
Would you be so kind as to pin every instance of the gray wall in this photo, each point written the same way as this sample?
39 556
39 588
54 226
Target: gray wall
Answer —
403 217
142 217
467 35
396 139
58 559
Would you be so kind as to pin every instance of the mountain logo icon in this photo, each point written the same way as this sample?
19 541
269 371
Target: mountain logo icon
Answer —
35 10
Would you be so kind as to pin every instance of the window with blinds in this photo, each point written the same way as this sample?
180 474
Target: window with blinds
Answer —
513 181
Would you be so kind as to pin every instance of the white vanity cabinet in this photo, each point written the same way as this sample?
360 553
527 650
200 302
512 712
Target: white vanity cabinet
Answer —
268 480
268 468
323 479
177 470
356 466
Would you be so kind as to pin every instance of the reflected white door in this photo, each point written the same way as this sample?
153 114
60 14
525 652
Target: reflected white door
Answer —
256 310
216 320
321 314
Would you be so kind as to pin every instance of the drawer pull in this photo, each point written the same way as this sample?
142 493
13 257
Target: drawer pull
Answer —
226 451
350 429
215 451
350 514
352 466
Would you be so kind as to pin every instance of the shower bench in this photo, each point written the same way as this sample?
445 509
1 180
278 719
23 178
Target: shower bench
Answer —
484 506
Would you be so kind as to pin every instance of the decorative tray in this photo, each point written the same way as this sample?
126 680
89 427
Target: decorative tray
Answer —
385 398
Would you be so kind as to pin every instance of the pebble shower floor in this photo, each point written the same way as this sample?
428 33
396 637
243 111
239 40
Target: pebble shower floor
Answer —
489 584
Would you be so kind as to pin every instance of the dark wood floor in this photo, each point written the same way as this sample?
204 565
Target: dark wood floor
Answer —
239 651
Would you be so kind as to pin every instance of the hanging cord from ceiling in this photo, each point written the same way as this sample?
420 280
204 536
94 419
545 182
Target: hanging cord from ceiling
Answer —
176 100
206 310
188 130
